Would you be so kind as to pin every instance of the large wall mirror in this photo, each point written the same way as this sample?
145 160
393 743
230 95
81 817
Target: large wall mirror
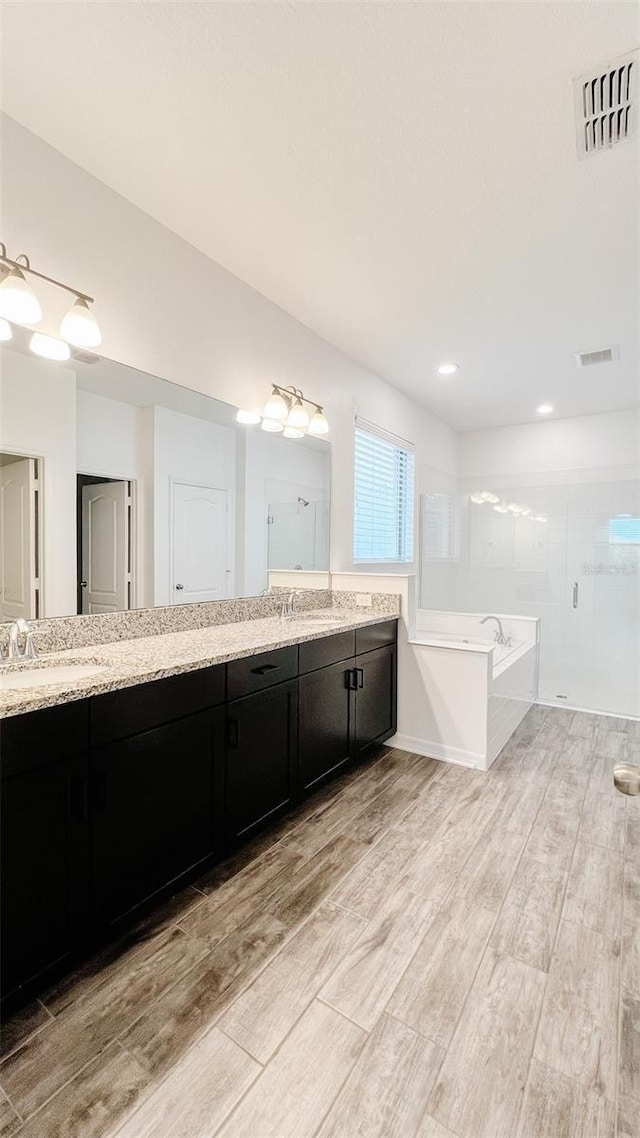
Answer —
121 490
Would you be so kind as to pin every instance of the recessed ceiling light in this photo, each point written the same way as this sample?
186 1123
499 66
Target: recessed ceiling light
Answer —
447 369
544 409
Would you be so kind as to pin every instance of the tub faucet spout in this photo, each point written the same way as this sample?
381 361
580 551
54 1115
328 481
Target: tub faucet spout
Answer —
500 637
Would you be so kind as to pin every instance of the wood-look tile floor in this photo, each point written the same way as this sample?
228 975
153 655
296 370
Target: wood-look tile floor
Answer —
422 952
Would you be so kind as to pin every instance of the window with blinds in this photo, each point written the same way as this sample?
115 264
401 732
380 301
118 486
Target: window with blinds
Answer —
384 495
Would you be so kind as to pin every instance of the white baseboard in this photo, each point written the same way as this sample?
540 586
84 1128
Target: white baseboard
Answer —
430 750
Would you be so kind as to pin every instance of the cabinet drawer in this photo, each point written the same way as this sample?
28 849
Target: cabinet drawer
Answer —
130 711
255 673
40 737
327 650
376 636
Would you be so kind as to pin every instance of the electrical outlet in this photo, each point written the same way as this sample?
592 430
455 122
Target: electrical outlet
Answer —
363 600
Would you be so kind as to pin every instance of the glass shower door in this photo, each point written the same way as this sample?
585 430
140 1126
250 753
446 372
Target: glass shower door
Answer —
602 590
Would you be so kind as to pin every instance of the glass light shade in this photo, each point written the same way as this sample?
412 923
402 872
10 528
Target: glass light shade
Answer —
18 301
318 424
514 507
501 508
293 433
49 347
487 496
272 425
5 330
248 417
275 407
298 416
80 326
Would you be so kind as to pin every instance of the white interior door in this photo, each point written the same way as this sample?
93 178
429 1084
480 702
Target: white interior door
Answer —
105 547
18 580
199 544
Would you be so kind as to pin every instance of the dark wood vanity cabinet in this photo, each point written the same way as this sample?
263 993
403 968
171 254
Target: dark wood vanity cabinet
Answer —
44 855
109 803
261 755
375 698
156 811
325 723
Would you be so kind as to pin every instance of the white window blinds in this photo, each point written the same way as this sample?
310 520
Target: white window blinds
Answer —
384 495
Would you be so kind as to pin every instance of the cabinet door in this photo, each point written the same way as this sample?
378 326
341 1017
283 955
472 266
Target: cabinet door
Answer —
154 807
324 723
261 758
375 698
44 859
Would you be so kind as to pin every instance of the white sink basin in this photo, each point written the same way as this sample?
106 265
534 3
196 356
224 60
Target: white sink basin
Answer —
15 677
314 618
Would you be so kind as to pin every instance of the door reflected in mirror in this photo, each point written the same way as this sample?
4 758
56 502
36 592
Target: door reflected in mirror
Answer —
121 490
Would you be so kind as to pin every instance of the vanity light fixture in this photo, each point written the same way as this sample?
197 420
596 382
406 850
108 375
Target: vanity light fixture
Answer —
276 407
318 424
285 411
298 417
18 302
5 330
448 369
49 347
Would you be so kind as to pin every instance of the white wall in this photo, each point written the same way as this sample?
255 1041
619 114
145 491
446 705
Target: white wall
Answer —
38 418
169 310
587 444
193 450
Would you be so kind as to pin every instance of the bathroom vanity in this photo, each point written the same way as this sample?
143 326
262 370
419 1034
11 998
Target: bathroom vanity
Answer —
117 792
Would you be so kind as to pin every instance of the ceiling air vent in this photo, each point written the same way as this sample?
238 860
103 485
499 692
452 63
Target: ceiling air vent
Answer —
603 356
606 105
84 357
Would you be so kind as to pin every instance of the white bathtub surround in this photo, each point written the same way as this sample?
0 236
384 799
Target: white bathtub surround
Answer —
462 695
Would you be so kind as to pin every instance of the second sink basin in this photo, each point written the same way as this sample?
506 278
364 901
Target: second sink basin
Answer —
42 673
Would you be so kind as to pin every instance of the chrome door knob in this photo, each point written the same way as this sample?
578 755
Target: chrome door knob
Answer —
83 584
626 778
179 586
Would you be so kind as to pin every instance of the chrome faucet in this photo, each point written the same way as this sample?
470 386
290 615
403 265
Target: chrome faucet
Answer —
499 637
21 627
289 606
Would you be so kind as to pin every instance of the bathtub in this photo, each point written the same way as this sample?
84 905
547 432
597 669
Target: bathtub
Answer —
461 694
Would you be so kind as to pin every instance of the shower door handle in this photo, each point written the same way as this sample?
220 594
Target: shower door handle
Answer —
575 594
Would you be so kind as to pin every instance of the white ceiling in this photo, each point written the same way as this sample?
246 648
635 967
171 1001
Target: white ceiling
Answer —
401 177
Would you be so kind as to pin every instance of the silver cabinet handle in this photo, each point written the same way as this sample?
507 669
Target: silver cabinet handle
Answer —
179 586
575 594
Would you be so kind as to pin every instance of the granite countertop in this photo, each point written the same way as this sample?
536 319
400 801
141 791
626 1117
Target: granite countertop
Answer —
128 662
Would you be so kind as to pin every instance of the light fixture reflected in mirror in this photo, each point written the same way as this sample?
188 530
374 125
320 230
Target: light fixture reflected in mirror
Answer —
293 433
248 418
272 426
5 330
49 348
